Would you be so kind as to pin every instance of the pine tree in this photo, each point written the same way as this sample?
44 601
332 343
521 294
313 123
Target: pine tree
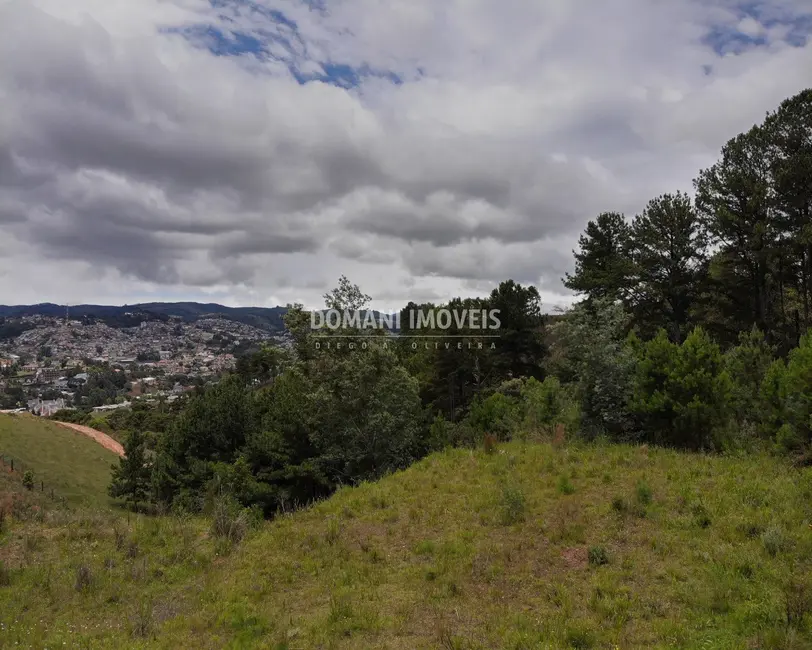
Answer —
131 478
603 266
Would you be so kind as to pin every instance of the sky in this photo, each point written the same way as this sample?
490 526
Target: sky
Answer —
250 152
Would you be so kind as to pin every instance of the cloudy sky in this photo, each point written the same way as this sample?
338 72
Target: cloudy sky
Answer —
251 151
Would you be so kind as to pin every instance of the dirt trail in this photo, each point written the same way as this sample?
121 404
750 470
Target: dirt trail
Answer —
102 438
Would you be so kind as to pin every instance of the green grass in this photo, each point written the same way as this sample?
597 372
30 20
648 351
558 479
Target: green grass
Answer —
463 550
76 467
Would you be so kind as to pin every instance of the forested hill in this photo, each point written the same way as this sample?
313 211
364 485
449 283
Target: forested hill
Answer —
127 315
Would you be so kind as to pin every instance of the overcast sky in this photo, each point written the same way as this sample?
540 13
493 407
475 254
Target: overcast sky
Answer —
251 152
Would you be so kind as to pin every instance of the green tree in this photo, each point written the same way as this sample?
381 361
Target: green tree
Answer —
682 392
520 350
733 199
592 352
669 251
603 263
796 394
28 479
131 478
747 364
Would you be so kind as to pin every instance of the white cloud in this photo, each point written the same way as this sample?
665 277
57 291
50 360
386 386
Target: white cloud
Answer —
135 164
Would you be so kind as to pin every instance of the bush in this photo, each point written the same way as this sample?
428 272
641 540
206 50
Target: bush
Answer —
595 355
229 521
774 540
441 434
682 392
565 486
543 403
794 396
497 414
28 480
748 364
84 578
598 556
514 505
644 494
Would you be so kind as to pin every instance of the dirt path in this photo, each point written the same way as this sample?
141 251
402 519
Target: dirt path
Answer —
102 438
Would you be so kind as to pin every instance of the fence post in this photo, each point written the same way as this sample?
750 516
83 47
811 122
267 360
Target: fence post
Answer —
12 464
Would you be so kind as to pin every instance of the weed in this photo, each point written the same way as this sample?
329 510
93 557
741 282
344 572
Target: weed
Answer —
565 486
142 622
774 540
598 556
84 578
644 494
119 538
620 506
229 521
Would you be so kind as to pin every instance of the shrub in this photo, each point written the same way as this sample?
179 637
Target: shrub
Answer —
28 480
748 364
787 397
644 494
774 540
598 556
497 414
565 486
84 578
514 505
595 356
441 434
682 392
544 404
619 505
229 520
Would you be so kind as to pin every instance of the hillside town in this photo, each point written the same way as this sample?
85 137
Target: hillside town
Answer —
60 363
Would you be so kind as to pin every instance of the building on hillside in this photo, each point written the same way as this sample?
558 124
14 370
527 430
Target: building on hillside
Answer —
48 375
46 408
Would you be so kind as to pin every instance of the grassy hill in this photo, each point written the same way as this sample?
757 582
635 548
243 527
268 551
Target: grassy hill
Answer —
76 467
530 547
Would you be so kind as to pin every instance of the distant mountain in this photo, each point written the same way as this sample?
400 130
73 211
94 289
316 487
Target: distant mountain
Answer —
267 318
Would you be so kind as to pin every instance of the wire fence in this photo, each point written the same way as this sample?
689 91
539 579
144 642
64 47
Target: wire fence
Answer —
12 465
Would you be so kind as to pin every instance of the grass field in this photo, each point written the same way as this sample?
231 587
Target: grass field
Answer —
531 547
76 467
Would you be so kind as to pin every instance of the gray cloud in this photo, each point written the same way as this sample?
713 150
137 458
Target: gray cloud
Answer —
136 163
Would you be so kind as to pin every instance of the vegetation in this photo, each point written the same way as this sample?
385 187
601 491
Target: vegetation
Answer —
74 466
534 511
464 549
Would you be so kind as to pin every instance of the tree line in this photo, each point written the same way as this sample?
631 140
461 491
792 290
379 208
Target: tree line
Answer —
690 333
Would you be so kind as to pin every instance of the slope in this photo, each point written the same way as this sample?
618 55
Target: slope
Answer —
73 465
531 547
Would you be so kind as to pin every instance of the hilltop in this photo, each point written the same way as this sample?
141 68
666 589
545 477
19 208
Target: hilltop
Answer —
266 318
533 546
